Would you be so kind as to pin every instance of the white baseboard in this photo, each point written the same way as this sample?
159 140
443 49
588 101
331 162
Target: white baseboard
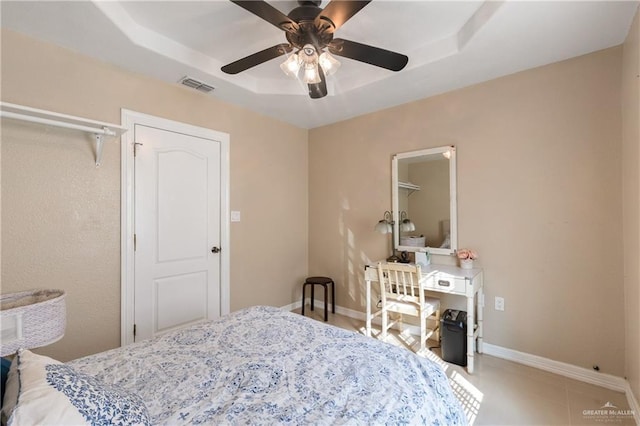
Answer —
561 368
411 329
633 403
582 374
291 306
320 303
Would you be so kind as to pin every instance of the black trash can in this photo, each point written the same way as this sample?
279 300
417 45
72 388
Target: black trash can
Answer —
453 333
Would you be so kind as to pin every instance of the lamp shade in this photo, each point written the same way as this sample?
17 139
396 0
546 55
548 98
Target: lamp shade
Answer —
311 74
291 66
328 63
405 223
383 227
407 226
32 319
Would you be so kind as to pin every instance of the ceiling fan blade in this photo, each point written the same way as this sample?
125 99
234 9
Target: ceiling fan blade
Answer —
318 90
371 55
338 12
257 58
269 13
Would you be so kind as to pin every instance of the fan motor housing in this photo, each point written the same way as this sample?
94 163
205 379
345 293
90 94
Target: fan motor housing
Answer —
305 15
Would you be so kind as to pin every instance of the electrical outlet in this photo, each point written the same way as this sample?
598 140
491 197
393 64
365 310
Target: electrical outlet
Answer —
499 303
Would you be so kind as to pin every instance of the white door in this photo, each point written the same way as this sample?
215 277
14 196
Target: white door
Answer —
177 227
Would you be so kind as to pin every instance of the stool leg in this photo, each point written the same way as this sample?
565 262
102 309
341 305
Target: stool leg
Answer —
326 311
333 296
304 286
313 297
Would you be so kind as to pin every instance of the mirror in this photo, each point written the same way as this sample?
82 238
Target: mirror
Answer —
424 200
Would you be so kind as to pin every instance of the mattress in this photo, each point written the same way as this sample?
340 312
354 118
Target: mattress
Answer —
264 365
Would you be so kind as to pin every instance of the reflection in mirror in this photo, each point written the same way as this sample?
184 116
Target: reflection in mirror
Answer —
424 200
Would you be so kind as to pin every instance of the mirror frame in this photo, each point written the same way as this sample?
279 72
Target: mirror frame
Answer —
453 205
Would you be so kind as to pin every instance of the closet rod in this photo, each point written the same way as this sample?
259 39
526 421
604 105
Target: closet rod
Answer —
104 131
99 129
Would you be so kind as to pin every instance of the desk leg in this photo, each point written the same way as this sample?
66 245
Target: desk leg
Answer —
368 303
470 329
480 319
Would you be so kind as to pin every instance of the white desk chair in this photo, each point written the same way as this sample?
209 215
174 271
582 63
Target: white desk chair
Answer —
402 291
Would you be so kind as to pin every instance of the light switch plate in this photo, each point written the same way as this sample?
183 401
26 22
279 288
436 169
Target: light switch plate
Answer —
499 303
235 216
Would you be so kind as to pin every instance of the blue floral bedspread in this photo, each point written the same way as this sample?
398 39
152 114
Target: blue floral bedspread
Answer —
264 365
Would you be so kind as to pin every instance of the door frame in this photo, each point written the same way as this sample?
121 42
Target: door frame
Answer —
127 219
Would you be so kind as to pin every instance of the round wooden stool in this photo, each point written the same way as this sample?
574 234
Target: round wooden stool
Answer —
325 282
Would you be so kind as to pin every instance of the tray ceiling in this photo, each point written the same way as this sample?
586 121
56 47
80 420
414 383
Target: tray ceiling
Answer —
450 44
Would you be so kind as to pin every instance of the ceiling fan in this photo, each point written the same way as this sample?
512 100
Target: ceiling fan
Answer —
309 29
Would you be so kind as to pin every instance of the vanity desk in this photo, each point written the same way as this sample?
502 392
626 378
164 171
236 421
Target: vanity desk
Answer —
450 280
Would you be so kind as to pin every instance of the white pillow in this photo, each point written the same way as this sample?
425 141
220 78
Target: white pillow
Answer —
52 393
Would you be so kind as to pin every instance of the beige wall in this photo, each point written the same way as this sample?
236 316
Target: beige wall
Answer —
61 215
631 200
539 198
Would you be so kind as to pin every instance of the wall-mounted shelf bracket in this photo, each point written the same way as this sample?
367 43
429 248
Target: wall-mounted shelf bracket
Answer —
99 147
99 129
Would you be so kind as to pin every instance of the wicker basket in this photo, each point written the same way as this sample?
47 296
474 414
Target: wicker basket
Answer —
412 241
31 319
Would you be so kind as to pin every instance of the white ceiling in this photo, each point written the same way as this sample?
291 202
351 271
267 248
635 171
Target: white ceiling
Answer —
450 44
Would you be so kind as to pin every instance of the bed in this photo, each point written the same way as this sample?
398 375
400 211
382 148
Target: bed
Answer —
264 365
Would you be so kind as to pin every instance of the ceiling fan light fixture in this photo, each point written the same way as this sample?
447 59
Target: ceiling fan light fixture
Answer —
292 65
311 24
309 58
328 63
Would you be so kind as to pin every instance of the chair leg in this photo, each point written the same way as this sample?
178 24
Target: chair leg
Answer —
385 321
304 286
333 297
437 327
326 310
423 332
313 297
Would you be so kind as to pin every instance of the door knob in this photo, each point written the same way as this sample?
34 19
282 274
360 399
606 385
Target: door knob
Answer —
215 249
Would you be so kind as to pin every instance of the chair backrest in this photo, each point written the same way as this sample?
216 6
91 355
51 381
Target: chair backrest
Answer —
401 281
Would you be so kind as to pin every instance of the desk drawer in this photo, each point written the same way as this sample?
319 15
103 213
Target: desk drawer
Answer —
447 284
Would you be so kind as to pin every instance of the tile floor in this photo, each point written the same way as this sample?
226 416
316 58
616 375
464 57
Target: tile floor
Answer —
502 392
